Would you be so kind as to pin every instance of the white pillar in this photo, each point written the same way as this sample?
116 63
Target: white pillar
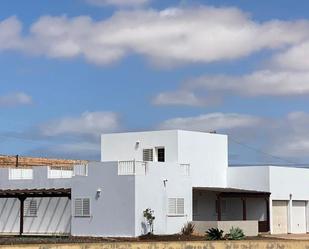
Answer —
290 214
307 216
270 215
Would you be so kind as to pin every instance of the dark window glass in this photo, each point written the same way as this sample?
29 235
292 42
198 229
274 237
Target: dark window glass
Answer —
161 155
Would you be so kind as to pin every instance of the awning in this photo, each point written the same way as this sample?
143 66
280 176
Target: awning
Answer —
43 192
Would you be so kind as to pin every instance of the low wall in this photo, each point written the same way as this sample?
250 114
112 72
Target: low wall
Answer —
257 244
250 227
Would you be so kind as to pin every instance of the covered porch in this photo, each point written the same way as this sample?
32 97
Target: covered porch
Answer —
226 207
46 212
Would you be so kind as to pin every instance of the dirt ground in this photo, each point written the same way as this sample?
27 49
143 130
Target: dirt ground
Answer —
10 240
288 236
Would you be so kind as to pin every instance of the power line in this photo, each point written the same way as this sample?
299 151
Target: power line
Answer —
262 152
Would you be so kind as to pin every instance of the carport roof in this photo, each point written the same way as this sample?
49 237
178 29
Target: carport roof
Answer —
24 193
232 190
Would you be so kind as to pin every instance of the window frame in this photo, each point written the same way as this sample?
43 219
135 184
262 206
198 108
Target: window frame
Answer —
157 153
176 213
148 149
82 215
28 208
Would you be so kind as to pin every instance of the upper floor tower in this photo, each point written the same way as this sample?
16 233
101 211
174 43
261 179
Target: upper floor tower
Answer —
206 153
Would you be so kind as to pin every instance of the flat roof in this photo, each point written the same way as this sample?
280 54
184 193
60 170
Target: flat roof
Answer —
230 190
296 166
167 130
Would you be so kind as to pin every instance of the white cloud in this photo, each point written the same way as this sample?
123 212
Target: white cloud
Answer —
88 124
167 37
70 137
295 58
10 31
15 99
290 136
184 98
284 137
212 121
259 83
264 82
119 3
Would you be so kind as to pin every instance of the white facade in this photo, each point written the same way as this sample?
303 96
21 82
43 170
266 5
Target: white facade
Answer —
287 185
182 176
206 153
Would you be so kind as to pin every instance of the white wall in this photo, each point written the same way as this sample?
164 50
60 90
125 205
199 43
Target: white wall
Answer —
151 193
119 210
53 217
122 146
9 215
207 155
113 213
279 181
255 178
205 152
287 180
284 183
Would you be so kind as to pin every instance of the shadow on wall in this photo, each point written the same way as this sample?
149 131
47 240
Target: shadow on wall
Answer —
144 228
53 216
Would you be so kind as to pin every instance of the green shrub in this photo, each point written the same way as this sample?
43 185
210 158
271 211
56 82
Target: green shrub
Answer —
149 216
214 234
187 229
235 234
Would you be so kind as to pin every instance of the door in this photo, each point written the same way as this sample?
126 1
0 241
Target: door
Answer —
299 217
280 217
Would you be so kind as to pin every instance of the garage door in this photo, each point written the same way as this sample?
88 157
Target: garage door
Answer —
280 217
299 217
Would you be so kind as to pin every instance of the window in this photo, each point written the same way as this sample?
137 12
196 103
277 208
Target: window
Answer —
161 154
59 172
147 155
82 207
30 208
176 206
20 174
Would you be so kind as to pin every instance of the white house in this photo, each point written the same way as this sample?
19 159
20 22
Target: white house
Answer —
183 176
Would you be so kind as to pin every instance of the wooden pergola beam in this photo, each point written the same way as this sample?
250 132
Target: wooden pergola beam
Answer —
243 195
9 193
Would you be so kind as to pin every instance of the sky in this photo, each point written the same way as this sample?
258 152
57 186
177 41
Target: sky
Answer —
73 69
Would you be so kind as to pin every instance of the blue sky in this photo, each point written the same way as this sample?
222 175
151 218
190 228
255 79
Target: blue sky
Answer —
73 69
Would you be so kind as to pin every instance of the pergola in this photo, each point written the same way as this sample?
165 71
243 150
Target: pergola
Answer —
22 194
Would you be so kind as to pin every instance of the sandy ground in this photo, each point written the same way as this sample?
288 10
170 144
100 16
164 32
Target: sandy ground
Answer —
288 236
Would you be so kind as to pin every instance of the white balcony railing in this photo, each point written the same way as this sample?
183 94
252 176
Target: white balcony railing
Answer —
132 167
185 169
59 172
20 174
